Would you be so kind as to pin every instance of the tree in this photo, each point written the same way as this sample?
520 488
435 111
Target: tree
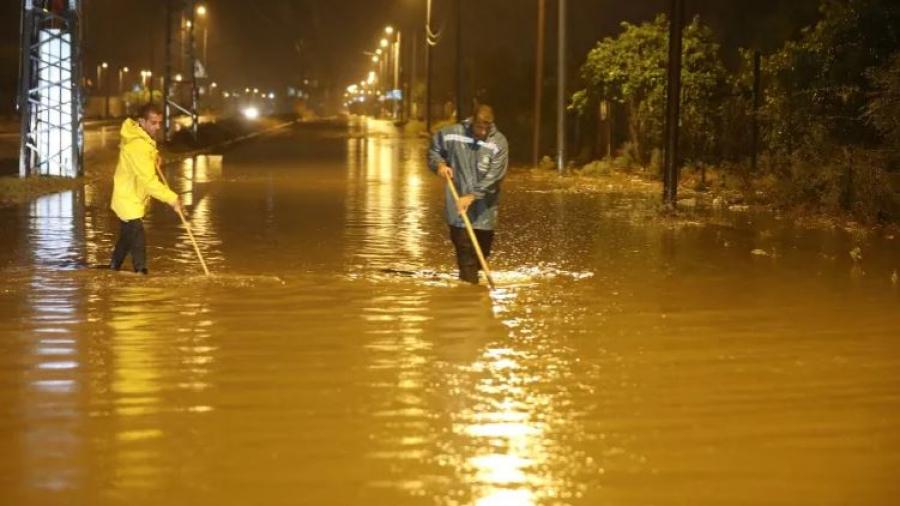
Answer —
630 70
818 87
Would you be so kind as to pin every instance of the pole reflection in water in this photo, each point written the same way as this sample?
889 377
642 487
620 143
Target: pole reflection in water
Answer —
52 411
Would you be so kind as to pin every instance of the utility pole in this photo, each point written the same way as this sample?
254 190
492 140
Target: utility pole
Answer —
192 61
459 64
561 90
411 76
538 83
673 102
430 41
171 100
167 75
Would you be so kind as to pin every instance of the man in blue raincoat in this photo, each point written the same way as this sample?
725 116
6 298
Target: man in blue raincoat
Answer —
475 155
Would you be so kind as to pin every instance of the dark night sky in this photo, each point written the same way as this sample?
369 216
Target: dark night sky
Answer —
271 43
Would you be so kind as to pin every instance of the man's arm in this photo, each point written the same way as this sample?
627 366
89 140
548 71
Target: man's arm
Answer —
437 156
491 180
143 162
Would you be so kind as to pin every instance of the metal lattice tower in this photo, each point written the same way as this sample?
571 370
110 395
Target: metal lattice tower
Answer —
180 94
50 96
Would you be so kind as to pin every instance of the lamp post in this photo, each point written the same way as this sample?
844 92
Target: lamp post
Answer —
105 86
201 11
395 60
122 72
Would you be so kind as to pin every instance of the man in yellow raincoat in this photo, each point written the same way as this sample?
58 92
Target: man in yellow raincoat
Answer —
135 181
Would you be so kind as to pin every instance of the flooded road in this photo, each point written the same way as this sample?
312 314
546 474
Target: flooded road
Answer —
333 360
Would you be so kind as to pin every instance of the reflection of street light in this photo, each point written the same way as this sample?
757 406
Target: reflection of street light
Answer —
123 70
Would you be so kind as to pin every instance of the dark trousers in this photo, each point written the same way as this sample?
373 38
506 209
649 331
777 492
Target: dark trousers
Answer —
466 257
131 240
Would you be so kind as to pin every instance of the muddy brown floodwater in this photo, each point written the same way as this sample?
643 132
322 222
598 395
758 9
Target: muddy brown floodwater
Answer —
333 360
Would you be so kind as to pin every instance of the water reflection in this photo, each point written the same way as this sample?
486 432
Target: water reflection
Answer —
52 411
191 179
386 205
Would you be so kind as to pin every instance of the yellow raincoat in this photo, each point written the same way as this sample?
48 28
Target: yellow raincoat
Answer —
135 180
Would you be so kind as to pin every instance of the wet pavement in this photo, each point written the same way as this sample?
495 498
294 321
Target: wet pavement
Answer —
332 358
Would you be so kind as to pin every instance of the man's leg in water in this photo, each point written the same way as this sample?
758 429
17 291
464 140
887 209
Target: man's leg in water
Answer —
466 257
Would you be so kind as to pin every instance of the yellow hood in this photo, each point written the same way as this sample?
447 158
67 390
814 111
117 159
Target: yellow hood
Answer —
131 131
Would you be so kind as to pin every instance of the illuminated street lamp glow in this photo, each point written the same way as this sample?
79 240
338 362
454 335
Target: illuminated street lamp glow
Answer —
384 42
178 77
213 85
389 30
271 95
246 90
226 94
188 23
378 51
255 90
201 10
104 65
375 59
124 69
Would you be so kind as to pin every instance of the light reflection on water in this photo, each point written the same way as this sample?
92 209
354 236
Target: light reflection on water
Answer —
333 359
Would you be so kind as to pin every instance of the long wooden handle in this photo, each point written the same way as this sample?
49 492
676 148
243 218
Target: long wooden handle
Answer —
187 226
472 236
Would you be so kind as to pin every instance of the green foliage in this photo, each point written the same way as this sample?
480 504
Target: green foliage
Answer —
883 110
817 87
630 70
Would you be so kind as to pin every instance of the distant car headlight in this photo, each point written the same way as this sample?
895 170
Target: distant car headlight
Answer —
251 112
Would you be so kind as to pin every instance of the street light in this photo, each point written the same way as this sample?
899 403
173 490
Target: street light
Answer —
100 68
389 30
201 11
384 43
123 70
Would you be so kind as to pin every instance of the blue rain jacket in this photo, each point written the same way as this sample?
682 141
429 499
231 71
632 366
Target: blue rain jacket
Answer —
478 168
